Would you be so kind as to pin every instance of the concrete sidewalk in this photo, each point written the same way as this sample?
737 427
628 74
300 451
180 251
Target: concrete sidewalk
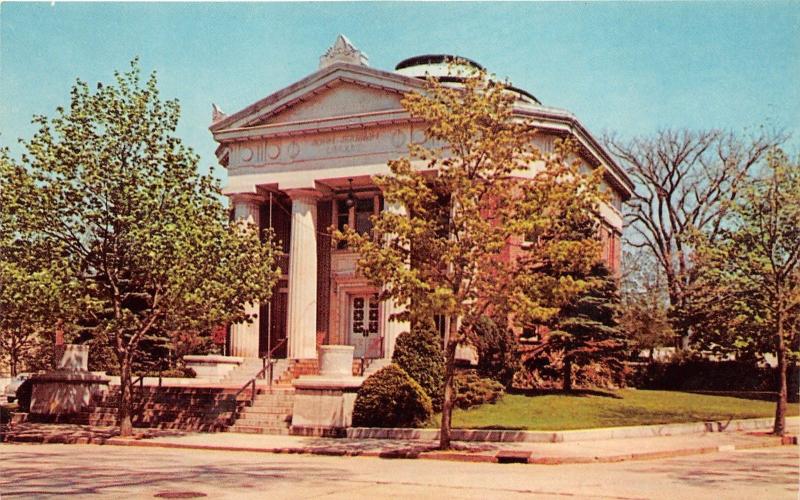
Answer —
608 450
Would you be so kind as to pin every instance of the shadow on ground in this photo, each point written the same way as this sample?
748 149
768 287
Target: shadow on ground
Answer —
22 473
578 393
729 470
74 434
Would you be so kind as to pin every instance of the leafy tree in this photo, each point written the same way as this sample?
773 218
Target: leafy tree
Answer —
684 182
585 331
108 183
465 203
31 307
749 279
645 305
37 292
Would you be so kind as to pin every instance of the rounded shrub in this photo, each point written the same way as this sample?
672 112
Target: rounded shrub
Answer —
474 390
390 398
419 354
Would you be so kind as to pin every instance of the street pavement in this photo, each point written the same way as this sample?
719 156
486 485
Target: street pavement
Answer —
583 451
92 471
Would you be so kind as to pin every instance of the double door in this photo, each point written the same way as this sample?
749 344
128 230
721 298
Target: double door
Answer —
363 326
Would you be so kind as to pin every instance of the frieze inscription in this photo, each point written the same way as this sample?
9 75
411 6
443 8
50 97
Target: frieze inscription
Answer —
346 143
325 145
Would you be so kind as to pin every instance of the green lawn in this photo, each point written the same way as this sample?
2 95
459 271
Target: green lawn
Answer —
608 409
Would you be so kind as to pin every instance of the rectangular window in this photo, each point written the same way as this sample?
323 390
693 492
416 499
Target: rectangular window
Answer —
364 210
357 216
343 214
342 220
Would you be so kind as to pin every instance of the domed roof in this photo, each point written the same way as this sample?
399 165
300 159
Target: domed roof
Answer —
443 67
436 65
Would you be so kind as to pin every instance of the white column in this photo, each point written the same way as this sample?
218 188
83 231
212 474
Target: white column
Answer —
391 329
245 336
302 309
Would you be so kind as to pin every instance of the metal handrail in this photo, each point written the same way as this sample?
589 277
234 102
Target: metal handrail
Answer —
140 380
267 360
268 363
252 385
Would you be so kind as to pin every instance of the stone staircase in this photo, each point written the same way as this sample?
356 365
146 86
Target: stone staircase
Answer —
270 413
271 410
211 409
295 368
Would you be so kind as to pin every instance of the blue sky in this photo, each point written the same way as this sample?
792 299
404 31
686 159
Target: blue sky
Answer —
629 68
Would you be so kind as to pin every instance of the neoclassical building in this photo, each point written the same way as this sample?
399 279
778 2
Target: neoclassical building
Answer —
302 160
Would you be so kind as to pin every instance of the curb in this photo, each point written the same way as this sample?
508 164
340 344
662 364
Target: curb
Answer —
427 453
509 436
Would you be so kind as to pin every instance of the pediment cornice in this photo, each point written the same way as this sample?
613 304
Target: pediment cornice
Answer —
309 87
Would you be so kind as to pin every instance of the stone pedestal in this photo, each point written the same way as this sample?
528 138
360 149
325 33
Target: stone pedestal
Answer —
323 404
69 389
336 361
212 367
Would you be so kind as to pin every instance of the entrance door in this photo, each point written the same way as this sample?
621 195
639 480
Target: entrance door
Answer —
363 326
272 329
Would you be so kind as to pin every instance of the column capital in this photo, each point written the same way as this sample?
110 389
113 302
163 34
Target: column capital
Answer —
307 194
247 198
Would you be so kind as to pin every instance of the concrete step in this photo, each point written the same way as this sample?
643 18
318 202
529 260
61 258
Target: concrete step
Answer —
176 408
268 408
279 420
270 399
375 365
177 401
243 429
171 398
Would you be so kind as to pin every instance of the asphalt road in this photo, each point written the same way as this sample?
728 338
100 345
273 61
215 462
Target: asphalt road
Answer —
89 471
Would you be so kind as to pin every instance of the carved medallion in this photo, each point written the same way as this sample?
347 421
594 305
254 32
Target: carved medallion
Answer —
273 151
246 154
398 138
294 149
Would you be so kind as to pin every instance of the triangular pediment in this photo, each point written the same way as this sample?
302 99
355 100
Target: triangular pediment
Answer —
335 91
342 99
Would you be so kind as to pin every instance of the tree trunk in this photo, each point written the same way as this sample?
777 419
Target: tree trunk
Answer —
449 390
14 355
779 428
567 374
125 405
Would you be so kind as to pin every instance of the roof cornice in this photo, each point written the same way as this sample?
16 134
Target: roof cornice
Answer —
337 71
579 130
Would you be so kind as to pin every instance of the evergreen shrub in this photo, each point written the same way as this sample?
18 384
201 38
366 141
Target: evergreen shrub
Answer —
498 358
474 390
390 398
419 354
